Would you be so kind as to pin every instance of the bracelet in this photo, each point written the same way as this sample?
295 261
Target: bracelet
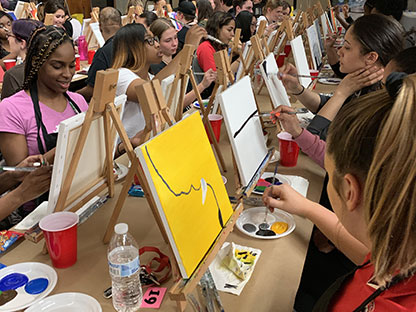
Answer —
296 94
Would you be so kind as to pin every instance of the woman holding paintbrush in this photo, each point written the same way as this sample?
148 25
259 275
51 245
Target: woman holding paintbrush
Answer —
370 43
370 159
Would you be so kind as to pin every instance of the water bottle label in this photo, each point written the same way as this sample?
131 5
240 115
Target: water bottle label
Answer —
125 269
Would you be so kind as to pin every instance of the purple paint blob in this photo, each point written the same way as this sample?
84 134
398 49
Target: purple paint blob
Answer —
13 281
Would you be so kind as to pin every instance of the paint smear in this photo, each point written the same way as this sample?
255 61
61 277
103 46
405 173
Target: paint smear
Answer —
249 227
7 296
13 281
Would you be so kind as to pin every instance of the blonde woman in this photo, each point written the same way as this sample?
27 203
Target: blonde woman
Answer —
168 41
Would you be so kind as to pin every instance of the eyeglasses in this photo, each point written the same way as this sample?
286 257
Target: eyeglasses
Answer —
151 40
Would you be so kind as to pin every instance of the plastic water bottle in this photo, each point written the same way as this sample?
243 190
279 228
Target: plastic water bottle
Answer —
124 267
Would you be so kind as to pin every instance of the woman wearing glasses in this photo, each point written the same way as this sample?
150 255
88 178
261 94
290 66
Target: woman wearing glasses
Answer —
134 49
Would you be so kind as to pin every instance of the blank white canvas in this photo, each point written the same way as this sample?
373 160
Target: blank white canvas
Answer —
301 61
92 161
95 27
274 85
314 46
249 147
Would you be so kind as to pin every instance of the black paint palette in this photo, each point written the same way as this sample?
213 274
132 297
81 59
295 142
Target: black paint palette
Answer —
251 218
23 284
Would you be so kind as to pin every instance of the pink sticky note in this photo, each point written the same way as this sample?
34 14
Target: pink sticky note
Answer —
153 297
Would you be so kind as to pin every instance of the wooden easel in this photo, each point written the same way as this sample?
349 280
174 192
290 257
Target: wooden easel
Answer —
102 104
156 115
88 33
181 75
278 42
48 20
235 50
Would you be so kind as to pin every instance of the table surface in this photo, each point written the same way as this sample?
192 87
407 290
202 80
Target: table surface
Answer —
272 286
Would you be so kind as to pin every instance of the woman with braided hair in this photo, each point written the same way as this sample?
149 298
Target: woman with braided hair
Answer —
29 118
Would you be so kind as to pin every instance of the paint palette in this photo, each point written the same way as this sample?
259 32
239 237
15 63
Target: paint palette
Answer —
250 220
69 302
267 179
24 284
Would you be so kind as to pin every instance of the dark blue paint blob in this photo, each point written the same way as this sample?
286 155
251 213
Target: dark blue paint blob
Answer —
37 286
13 281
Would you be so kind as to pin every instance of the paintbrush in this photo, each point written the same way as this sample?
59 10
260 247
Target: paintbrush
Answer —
27 169
302 76
212 38
270 114
273 181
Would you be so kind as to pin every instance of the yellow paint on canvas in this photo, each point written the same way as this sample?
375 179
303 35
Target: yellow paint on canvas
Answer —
182 155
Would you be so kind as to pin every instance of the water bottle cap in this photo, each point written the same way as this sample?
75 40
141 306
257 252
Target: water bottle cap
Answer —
121 228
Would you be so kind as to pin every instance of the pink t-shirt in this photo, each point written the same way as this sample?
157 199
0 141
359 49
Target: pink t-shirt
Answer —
17 115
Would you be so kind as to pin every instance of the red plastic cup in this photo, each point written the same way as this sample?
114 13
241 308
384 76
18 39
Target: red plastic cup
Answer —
281 60
216 121
287 49
60 231
77 62
9 63
314 73
91 54
289 150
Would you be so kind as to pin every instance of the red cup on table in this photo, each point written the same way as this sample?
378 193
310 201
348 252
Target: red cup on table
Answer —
91 54
216 122
9 63
281 60
314 74
287 49
60 231
77 62
289 150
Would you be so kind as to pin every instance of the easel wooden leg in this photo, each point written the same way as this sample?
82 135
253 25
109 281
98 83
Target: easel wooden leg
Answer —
120 202
108 152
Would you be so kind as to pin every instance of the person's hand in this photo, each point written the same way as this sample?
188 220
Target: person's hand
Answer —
209 77
288 75
289 121
330 41
194 35
359 79
35 183
270 28
284 197
346 10
27 162
336 10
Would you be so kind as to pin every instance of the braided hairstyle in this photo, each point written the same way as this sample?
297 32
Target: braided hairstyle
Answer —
43 42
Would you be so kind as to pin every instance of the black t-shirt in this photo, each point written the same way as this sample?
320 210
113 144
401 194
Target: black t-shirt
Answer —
181 38
101 61
155 68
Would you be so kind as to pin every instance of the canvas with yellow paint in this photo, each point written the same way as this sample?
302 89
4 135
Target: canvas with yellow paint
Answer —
188 189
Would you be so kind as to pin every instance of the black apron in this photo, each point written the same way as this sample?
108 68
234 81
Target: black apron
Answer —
50 139
324 302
